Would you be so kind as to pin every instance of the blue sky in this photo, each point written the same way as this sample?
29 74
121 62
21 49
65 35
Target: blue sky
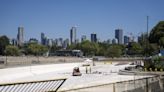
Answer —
56 17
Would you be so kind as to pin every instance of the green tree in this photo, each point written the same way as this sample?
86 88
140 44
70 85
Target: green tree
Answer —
12 50
143 38
134 48
155 40
89 48
54 48
101 51
4 41
114 51
161 42
145 44
72 46
37 49
157 33
153 49
102 48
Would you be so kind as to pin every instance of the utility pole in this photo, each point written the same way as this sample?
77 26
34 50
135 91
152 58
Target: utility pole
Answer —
147 25
147 37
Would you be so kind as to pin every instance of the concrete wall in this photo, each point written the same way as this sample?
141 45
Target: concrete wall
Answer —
154 84
28 60
2 62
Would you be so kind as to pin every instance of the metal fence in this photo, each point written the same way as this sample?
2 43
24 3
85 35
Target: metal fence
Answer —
34 86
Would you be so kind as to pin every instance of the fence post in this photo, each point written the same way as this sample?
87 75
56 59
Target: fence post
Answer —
147 85
161 82
114 90
5 63
86 70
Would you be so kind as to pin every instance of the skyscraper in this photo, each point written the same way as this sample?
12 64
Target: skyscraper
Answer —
83 38
33 40
65 43
60 42
14 42
114 41
20 36
108 41
43 39
49 42
126 40
73 35
119 35
93 37
77 41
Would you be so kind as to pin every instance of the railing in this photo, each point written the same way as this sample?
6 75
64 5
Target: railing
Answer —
33 86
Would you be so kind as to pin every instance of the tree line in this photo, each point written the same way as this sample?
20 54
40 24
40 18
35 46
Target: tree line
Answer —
28 49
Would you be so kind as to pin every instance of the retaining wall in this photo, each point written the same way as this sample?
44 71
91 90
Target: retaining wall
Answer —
10 61
152 84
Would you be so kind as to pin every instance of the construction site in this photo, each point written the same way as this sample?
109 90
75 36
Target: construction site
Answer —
84 75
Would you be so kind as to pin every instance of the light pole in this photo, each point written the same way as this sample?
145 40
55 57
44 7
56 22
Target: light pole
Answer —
5 61
134 81
147 37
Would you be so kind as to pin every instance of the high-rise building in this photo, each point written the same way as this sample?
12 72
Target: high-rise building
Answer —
20 36
33 40
93 37
77 41
108 41
139 39
126 40
49 42
119 35
60 42
14 42
56 41
83 38
115 41
132 39
65 43
43 39
73 35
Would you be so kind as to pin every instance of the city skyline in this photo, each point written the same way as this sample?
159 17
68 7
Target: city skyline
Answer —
45 40
55 18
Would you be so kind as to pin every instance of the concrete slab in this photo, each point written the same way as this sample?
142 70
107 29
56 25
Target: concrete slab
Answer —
100 74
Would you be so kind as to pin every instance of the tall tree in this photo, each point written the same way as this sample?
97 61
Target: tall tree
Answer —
153 49
89 48
54 48
161 42
4 41
134 48
12 50
157 33
102 48
114 51
37 49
